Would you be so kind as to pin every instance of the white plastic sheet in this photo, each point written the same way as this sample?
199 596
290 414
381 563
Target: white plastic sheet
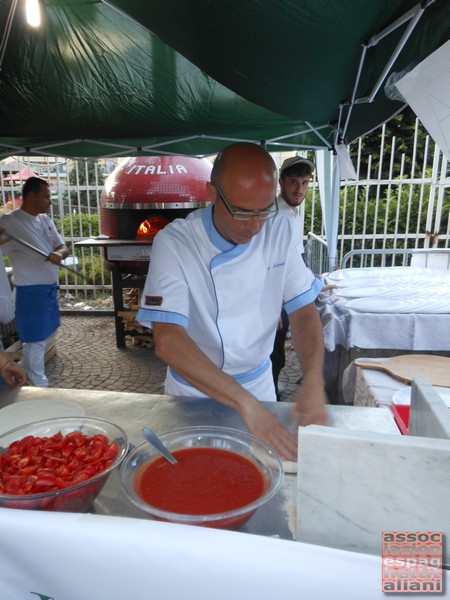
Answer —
427 90
61 556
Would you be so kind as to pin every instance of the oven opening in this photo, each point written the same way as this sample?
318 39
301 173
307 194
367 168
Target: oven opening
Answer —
150 227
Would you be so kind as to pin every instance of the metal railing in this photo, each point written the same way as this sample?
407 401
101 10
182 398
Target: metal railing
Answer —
396 210
317 256
424 257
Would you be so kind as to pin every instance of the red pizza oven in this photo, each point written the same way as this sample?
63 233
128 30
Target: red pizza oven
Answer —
143 194
140 197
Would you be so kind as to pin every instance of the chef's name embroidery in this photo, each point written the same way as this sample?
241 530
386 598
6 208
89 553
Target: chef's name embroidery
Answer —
153 300
276 266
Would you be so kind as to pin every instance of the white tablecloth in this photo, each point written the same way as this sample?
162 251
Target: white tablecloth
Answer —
420 295
392 331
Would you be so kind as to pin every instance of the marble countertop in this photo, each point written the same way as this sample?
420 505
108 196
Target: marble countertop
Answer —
376 482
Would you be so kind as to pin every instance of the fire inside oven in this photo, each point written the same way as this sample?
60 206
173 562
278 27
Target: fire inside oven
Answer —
137 223
150 227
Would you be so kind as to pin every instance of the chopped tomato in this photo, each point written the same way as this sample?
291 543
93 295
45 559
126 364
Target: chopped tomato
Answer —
33 465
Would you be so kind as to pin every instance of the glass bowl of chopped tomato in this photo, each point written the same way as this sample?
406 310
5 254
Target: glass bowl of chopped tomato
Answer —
222 476
58 464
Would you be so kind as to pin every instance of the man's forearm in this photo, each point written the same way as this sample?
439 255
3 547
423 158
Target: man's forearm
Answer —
174 347
181 353
307 339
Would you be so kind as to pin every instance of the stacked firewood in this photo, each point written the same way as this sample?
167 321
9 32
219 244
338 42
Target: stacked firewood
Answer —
142 336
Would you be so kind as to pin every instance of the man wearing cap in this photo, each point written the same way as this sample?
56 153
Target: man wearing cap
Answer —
295 176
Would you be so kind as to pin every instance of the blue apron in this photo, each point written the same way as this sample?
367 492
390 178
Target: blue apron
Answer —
37 312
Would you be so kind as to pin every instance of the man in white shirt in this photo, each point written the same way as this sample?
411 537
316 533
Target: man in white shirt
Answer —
6 297
295 176
35 277
216 282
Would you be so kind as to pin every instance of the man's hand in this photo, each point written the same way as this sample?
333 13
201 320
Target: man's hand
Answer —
326 288
310 405
58 255
55 257
265 425
14 375
307 339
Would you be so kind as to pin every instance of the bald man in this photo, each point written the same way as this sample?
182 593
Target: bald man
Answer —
216 283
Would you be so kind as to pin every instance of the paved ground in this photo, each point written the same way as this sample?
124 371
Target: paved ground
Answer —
87 358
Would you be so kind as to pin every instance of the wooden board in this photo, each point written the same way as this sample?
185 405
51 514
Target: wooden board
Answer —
16 350
410 366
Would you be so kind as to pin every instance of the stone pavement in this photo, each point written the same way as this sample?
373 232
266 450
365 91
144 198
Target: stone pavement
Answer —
87 358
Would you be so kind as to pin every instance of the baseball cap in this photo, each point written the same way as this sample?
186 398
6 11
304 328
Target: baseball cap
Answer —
296 160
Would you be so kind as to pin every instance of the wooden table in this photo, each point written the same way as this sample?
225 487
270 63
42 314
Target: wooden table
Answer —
366 387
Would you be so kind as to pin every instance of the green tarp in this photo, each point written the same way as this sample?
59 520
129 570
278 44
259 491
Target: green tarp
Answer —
129 77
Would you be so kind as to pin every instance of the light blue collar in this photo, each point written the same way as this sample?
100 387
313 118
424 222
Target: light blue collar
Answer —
228 249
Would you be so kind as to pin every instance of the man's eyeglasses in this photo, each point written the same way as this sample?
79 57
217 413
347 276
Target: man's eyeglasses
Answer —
246 215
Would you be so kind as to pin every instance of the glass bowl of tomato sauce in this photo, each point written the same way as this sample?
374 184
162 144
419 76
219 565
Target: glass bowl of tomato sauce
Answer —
59 464
222 476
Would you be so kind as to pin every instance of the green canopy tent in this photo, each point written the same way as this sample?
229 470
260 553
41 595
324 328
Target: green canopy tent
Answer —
139 77
129 77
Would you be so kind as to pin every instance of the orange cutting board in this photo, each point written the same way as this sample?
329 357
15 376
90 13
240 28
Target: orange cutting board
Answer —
409 366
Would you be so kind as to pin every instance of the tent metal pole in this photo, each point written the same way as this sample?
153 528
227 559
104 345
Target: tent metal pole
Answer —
338 127
413 15
355 88
319 135
377 37
11 148
289 135
396 52
82 141
9 20
296 146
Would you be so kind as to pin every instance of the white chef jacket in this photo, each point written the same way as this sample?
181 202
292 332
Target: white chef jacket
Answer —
227 296
30 268
293 212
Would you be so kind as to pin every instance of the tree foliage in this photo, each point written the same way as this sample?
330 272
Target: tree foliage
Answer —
78 226
400 135
83 226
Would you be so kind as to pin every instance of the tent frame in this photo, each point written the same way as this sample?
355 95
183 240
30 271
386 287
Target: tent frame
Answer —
113 149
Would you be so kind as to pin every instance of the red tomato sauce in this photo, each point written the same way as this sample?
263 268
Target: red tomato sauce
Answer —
204 481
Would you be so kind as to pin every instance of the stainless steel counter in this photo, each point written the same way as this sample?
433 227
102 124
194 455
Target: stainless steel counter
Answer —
132 411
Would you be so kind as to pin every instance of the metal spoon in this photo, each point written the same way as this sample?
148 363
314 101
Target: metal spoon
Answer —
154 440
